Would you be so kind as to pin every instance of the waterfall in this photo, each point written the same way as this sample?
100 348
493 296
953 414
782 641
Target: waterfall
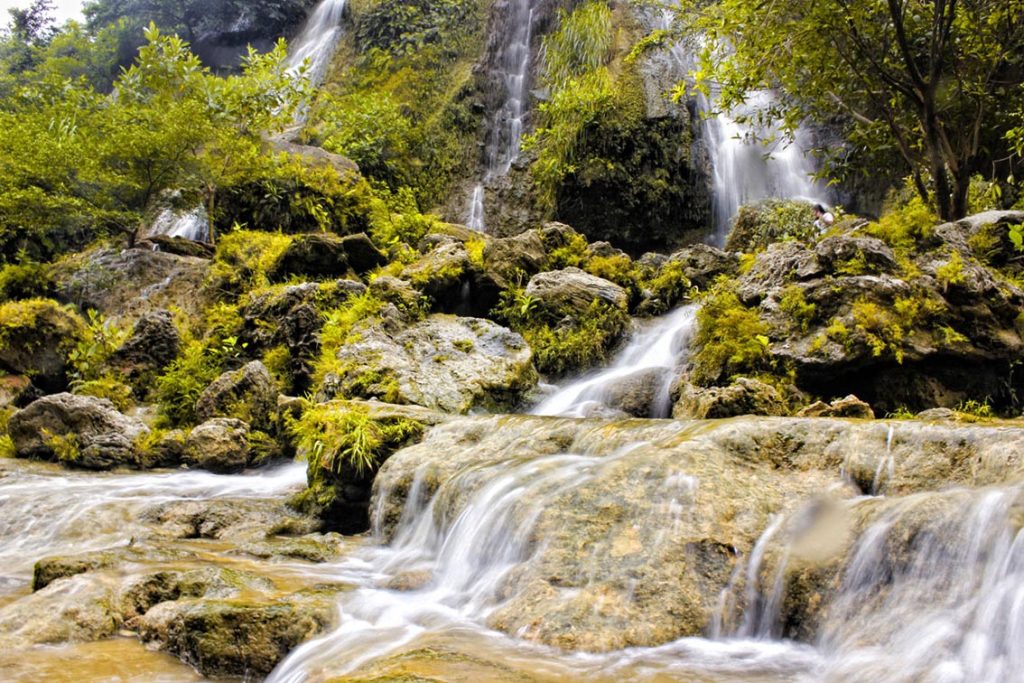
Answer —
504 135
316 43
744 169
656 352
318 39
190 224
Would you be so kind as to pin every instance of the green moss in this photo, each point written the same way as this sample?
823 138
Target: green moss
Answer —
116 392
951 272
243 259
31 322
571 255
334 439
563 341
667 288
65 447
731 339
794 304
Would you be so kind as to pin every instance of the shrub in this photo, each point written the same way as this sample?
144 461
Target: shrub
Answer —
26 280
773 220
731 339
116 392
334 439
243 259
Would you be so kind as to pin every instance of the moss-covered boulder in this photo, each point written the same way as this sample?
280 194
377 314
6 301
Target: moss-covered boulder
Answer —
325 255
77 431
36 337
444 362
237 637
571 291
903 315
248 394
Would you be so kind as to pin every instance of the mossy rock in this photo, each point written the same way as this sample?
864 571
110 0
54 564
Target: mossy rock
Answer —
36 337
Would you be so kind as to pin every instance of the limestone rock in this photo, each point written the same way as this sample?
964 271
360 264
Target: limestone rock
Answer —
443 362
505 257
703 263
152 346
248 394
440 274
81 431
573 290
228 519
219 445
745 396
867 253
133 282
851 406
237 637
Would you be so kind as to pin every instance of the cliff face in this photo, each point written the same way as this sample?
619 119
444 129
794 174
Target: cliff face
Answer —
627 165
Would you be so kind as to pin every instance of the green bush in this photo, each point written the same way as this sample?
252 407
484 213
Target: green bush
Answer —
26 280
731 339
243 259
334 439
773 220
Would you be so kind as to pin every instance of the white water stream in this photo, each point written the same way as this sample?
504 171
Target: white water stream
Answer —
504 136
657 353
318 40
46 511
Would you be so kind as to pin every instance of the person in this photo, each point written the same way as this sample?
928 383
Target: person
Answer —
824 219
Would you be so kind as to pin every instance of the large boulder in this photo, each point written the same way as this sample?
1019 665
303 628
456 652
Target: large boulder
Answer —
152 346
441 274
78 431
443 362
573 290
237 637
219 445
325 255
702 263
36 337
248 394
627 534
507 258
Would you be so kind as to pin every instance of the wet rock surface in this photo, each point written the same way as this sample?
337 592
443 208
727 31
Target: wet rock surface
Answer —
572 289
637 551
248 394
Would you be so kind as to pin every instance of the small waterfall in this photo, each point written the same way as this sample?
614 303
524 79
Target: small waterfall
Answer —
744 169
931 589
318 39
48 511
190 224
657 353
504 136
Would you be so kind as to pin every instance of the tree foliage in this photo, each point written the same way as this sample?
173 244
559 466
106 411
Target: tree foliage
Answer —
934 82
76 163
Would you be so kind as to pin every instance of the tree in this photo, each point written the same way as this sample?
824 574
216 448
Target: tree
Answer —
934 81
75 163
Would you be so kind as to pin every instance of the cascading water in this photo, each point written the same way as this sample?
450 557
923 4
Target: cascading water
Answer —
744 168
654 356
48 511
512 66
318 40
932 589
190 224
466 565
